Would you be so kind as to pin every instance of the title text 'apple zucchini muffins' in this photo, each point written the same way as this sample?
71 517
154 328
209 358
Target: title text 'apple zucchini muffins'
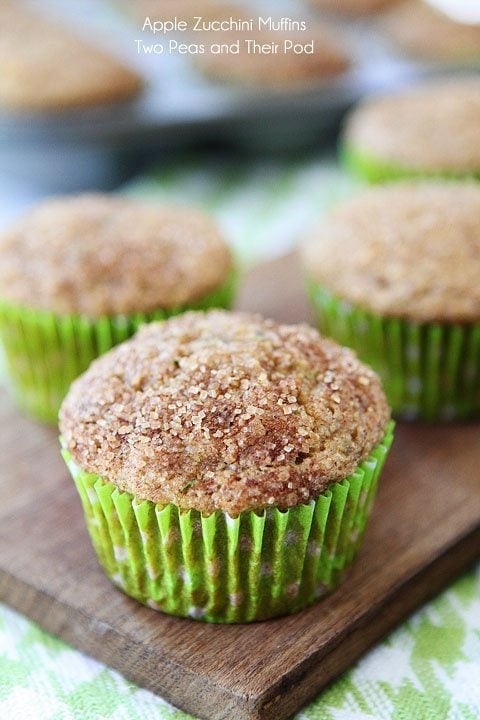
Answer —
395 274
427 131
45 67
227 465
80 274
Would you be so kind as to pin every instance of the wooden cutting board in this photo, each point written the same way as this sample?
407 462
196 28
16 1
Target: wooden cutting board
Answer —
425 530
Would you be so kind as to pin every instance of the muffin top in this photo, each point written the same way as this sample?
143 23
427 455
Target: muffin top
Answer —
276 70
107 255
44 66
404 250
432 128
224 411
421 29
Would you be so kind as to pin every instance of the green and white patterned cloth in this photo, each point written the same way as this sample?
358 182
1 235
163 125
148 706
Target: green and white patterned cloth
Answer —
428 669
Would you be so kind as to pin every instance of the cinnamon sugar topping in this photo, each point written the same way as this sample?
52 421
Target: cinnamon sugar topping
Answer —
207 426
407 250
103 254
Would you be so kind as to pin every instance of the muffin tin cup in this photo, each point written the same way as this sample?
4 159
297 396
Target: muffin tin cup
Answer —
430 371
221 569
375 170
45 351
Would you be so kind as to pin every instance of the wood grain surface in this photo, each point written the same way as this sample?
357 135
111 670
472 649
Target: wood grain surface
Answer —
425 530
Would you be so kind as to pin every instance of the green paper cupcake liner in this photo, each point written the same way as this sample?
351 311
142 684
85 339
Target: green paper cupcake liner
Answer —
45 351
430 371
375 170
221 569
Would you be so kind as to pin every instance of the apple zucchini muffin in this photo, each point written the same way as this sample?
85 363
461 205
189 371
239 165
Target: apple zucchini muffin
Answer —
425 131
395 274
46 67
226 464
422 31
80 274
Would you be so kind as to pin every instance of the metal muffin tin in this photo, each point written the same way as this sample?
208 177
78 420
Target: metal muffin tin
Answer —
98 147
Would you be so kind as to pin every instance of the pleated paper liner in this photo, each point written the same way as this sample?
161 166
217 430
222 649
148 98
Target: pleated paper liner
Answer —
45 352
374 170
229 570
429 371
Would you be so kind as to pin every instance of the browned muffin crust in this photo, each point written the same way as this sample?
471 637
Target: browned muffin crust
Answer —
352 7
404 250
107 255
422 30
224 411
432 128
43 66
277 70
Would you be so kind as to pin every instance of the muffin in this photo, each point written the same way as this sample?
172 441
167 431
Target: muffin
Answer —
45 67
395 274
281 69
426 32
431 130
226 464
353 8
80 274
